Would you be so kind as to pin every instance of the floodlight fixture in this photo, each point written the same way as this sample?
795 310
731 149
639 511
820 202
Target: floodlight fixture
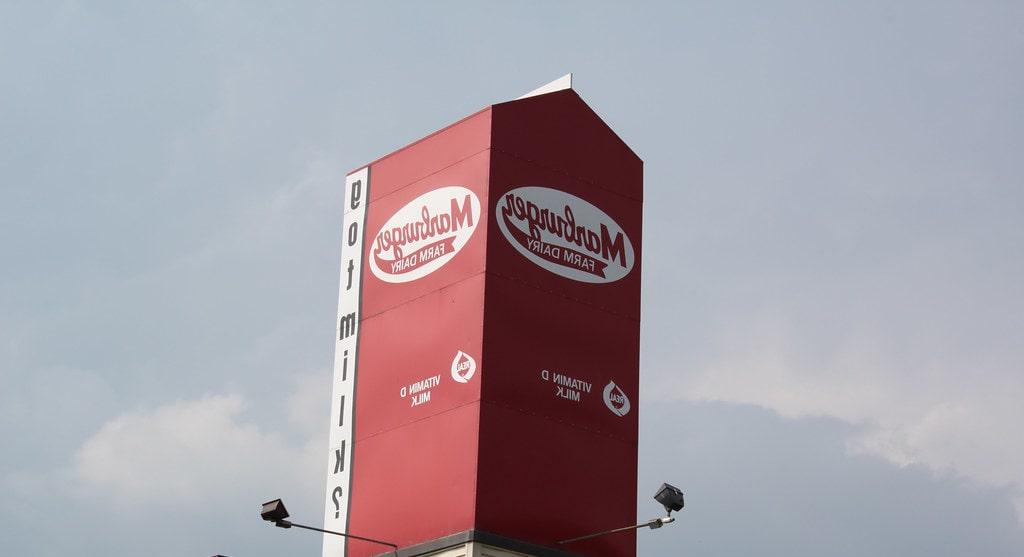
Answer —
274 511
670 497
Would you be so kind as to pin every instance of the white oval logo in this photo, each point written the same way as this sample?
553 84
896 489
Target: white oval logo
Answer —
425 234
463 367
615 399
564 234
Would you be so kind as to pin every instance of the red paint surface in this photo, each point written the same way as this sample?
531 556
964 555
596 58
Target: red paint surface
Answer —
621 297
471 173
559 131
502 452
437 151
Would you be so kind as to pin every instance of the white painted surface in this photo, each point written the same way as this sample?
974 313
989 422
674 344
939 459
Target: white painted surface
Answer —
563 233
564 82
428 220
339 475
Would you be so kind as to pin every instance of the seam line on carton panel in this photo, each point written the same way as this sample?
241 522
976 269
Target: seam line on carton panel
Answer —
402 303
426 137
558 420
599 307
589 108
403 424
573 176
428 175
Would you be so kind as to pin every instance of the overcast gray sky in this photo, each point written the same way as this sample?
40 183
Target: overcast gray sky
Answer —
833 329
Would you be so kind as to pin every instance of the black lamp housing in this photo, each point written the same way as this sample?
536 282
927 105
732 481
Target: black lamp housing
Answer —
670 497
274 511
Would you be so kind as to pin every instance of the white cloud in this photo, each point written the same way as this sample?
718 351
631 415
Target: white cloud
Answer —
308 406
187 452
910 409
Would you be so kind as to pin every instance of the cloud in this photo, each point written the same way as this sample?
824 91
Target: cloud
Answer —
756 482
909 409
308 406
188 452
203 464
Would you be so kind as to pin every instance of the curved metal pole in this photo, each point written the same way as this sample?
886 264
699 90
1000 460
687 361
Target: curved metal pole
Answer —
652 524
289 524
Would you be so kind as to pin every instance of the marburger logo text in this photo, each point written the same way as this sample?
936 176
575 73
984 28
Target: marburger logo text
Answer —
550 231
422 236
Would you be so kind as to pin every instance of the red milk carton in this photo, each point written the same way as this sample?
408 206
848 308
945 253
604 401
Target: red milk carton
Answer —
486 371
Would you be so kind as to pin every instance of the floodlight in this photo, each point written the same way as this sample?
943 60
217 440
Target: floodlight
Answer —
274 511
670 497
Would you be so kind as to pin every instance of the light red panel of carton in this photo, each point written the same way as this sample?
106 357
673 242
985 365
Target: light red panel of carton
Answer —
437 151
426 234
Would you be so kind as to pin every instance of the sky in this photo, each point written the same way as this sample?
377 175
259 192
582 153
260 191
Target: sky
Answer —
833 305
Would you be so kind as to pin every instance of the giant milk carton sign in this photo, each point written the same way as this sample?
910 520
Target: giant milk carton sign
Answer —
486 367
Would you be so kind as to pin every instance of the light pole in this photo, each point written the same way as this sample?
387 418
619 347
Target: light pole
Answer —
669 496
274 511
